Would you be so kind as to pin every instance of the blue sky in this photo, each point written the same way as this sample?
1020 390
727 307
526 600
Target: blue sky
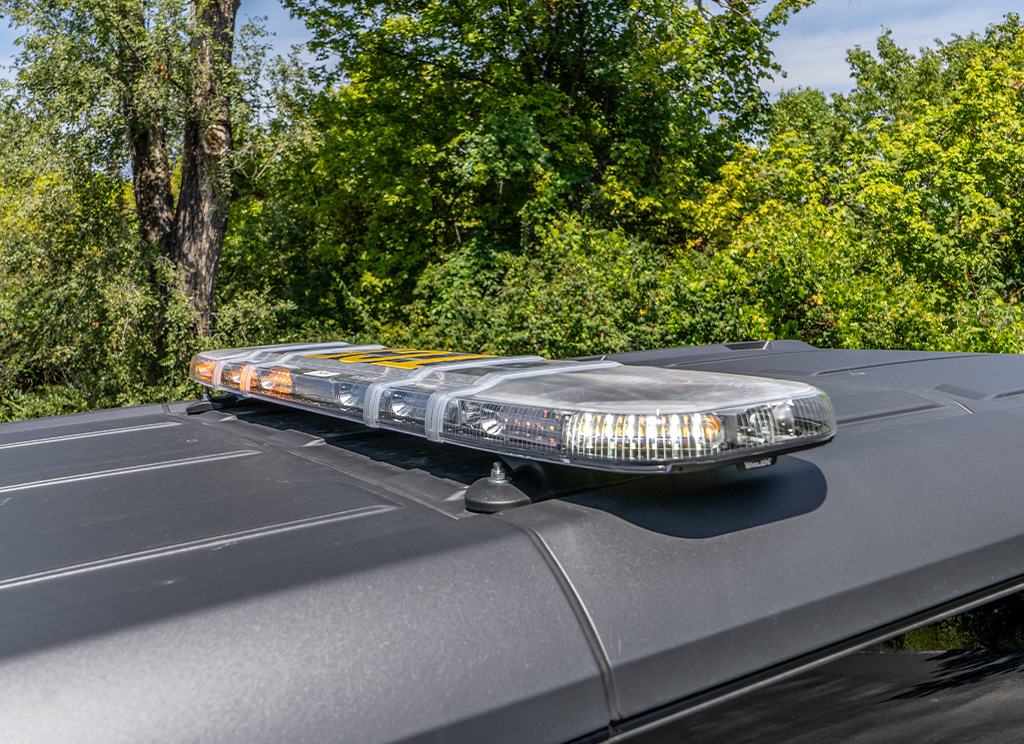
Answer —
811 48
286 31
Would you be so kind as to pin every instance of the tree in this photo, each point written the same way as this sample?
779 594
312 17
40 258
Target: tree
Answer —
890 217
457 131
79 309
148 84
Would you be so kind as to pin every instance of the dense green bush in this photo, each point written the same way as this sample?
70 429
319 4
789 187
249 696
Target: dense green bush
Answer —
888 218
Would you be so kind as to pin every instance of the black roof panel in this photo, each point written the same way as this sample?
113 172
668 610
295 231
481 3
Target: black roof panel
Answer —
262 574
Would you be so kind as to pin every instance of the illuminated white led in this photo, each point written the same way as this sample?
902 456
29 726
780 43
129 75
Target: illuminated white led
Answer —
601 415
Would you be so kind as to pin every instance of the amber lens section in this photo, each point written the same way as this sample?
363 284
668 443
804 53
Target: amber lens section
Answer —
202 369
712 428
231 375
274 381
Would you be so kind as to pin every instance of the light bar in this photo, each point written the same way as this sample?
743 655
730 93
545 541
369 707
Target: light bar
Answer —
601 415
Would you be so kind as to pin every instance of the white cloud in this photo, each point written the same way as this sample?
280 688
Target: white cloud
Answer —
812 48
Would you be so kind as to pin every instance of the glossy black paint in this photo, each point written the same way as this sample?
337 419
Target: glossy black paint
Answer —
871 697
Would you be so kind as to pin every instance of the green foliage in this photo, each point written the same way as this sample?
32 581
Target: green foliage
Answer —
578 291
80 315
88 318
454 127
90 68
888 218
556 178
281 249
946 635
418 203
843 229
998 626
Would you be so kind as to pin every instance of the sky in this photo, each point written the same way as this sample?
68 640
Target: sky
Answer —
812 48
285 31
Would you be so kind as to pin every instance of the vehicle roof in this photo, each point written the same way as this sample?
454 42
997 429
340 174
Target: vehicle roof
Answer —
263 574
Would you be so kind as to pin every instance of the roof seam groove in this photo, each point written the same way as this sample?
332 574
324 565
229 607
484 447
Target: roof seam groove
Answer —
586 623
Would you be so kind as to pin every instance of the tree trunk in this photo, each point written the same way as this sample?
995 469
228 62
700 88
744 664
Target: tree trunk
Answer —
151 176
151 173
206 194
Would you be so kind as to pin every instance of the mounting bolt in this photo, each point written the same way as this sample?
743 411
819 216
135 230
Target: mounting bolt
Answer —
495 493
498 474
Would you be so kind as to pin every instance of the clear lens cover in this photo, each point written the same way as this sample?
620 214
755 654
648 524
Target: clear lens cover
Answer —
640 418
601 415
